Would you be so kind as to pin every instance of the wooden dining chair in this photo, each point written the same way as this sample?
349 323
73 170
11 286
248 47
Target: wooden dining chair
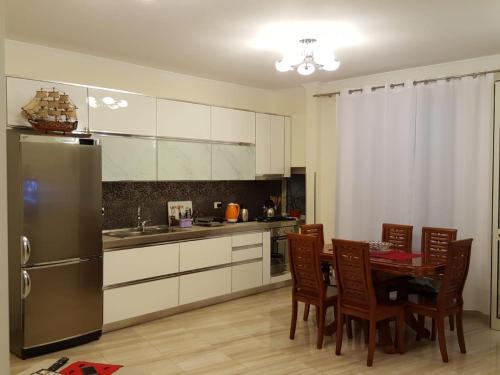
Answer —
316 230
399 235
308 284
357 295
448 301
434 248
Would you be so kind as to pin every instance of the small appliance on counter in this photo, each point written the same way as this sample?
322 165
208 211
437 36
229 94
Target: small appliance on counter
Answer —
209 221
180 214
232 212
243 213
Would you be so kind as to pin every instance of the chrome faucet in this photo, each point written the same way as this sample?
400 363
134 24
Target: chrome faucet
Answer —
139 222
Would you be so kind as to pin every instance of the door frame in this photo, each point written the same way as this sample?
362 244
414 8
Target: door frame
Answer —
495 240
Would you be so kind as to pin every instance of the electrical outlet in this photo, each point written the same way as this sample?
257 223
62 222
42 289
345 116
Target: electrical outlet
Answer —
217 204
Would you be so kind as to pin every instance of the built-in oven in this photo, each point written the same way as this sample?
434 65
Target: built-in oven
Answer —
279 249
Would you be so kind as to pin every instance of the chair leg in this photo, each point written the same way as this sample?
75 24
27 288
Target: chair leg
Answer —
348 326
371 342
433 330
401 332
365 327
317 316
460 332
306 312
452 323
293 323
421 325
340 333
321 326
441 338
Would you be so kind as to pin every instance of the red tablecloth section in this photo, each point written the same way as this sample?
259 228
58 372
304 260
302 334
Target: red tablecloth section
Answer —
102 369
395 255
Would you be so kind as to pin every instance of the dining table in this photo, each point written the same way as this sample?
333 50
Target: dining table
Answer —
398 263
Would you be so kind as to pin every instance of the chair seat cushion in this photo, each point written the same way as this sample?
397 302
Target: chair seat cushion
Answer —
424 286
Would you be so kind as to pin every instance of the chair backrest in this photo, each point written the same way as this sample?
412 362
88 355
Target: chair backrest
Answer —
455 273
314 230
353 271
304 261
435 243
399 235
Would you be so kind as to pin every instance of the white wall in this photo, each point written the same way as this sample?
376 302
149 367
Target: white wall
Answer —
4 304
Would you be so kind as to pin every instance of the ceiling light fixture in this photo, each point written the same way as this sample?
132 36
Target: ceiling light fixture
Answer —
306 58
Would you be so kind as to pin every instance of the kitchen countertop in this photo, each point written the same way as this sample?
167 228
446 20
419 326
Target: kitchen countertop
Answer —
181 234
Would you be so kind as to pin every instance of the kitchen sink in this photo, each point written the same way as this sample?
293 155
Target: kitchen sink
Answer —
134 232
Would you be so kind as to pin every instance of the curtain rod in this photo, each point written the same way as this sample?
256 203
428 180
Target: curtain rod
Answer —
392 85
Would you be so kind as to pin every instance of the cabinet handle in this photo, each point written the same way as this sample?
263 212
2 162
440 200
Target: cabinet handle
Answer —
26 249
26 284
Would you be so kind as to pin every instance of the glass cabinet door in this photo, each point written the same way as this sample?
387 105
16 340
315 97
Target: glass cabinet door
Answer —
233 162
182 161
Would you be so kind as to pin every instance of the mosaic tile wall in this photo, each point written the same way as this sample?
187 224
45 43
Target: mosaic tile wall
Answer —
120 199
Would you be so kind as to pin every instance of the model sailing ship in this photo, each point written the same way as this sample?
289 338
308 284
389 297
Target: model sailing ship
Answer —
50 110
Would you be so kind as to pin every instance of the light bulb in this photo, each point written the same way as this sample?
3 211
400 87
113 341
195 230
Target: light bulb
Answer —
331 65
282 66
293 56
306 69
108 100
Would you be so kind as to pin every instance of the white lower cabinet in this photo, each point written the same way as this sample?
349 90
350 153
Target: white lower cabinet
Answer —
247 253
204 285
246 276
140 299
205 253
121 266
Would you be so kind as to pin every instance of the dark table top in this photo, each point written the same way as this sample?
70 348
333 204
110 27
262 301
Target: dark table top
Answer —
416 266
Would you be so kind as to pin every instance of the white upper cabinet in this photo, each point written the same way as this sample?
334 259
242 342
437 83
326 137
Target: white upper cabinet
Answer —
270 144
232 125
262 144
233 162
183 120
277 145
20 91
182 160
128 158
124 113
288 146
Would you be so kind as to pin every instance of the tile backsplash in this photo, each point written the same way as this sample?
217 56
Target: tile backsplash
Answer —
120 199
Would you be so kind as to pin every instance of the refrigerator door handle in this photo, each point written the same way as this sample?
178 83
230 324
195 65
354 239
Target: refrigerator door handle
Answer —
26 249
26 289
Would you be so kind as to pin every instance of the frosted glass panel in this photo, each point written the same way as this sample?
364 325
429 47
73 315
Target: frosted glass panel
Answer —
183 160
128 159
233 162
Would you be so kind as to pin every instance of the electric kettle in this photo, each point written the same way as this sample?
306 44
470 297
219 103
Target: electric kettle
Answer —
232 212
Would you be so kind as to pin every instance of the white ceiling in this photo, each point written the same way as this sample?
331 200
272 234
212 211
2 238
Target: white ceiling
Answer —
212 38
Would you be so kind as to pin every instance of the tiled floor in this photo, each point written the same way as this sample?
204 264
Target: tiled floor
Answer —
250 336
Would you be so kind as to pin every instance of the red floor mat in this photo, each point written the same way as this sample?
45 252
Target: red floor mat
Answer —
102 369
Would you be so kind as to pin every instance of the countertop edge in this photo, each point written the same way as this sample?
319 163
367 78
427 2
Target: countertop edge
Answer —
110 243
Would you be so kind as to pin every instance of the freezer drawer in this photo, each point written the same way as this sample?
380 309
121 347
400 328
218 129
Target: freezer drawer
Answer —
61 301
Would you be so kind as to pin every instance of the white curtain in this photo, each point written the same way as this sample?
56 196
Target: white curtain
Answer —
420 155
375 135
453 169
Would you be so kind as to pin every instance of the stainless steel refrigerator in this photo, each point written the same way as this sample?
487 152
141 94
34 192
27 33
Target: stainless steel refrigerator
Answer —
55 244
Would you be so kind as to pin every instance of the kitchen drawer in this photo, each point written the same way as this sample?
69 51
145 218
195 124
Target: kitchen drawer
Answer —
134 264
247 253
205 253
246 276
139 299
245 239
203 285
